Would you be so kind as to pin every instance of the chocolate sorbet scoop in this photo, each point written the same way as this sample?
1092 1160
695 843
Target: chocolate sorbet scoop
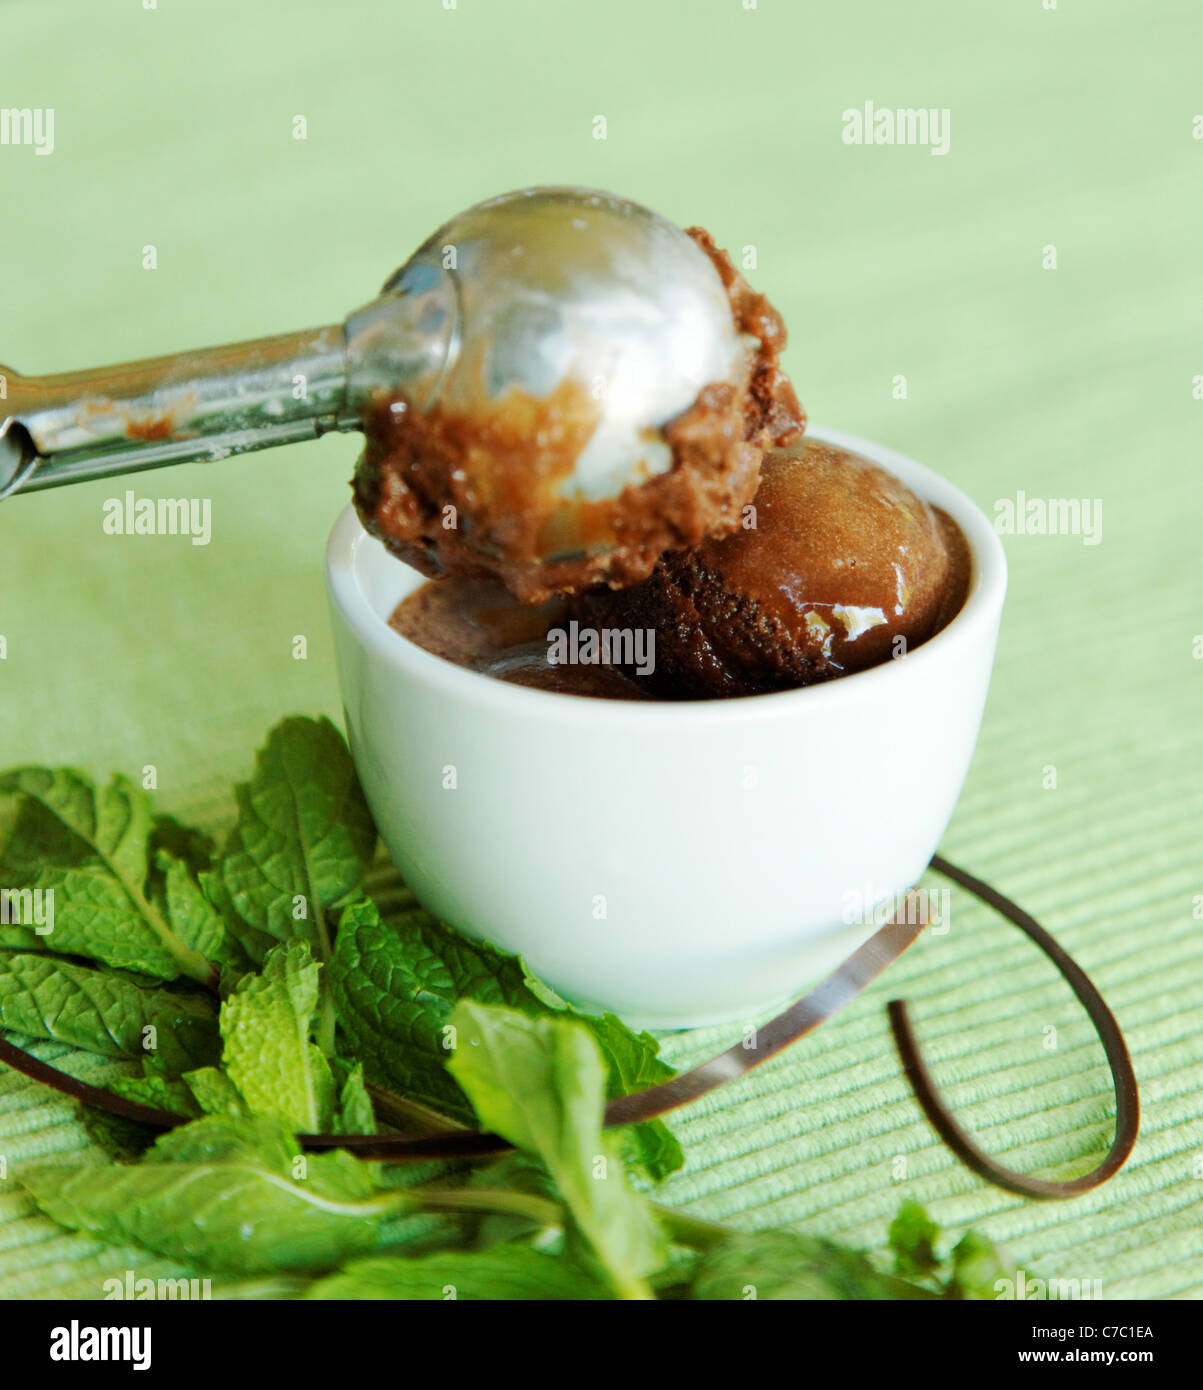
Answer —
609 387
844 568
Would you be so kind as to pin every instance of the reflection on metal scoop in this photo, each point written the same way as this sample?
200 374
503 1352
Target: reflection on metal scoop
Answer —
527 292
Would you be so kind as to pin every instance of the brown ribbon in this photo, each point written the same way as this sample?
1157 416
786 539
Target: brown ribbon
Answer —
823 1002
1127 1094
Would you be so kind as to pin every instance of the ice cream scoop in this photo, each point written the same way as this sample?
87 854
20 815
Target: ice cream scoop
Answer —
581 321
618 407
839 566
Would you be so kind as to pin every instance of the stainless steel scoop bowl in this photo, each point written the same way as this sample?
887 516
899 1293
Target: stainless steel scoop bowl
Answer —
527 291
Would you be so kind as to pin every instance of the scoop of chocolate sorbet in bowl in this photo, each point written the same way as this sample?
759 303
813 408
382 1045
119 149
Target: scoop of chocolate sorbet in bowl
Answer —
839 567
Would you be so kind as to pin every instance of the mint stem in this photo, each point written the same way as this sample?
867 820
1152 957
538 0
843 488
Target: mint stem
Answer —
409 1116
691 1230
324 1031
488 1200
540 1210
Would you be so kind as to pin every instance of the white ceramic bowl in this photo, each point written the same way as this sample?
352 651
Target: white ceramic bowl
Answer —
678 863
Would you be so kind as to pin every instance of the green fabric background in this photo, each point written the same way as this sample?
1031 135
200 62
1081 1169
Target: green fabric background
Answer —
1073 127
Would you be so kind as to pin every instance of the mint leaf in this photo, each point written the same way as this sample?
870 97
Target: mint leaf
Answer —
393 993
633 1064
652 1147
303 840
541 1084
69 812
913 1236
976 1266
213 1093
220 1195
504 1272
267 1053
123 1140
89 846
155 1090
355 1114
395 984
255 1137
195 919
102 1012
972 1269
779 1265
250 944
184 842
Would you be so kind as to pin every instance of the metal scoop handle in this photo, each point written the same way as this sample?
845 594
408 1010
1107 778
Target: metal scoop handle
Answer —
214 402
205 404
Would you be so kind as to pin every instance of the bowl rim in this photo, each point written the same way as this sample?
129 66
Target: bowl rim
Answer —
350 548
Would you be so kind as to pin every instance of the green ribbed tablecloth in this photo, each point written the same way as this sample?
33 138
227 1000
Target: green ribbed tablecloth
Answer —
1076 128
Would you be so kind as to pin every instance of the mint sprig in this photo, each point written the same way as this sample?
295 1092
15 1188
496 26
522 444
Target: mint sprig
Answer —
541 1084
